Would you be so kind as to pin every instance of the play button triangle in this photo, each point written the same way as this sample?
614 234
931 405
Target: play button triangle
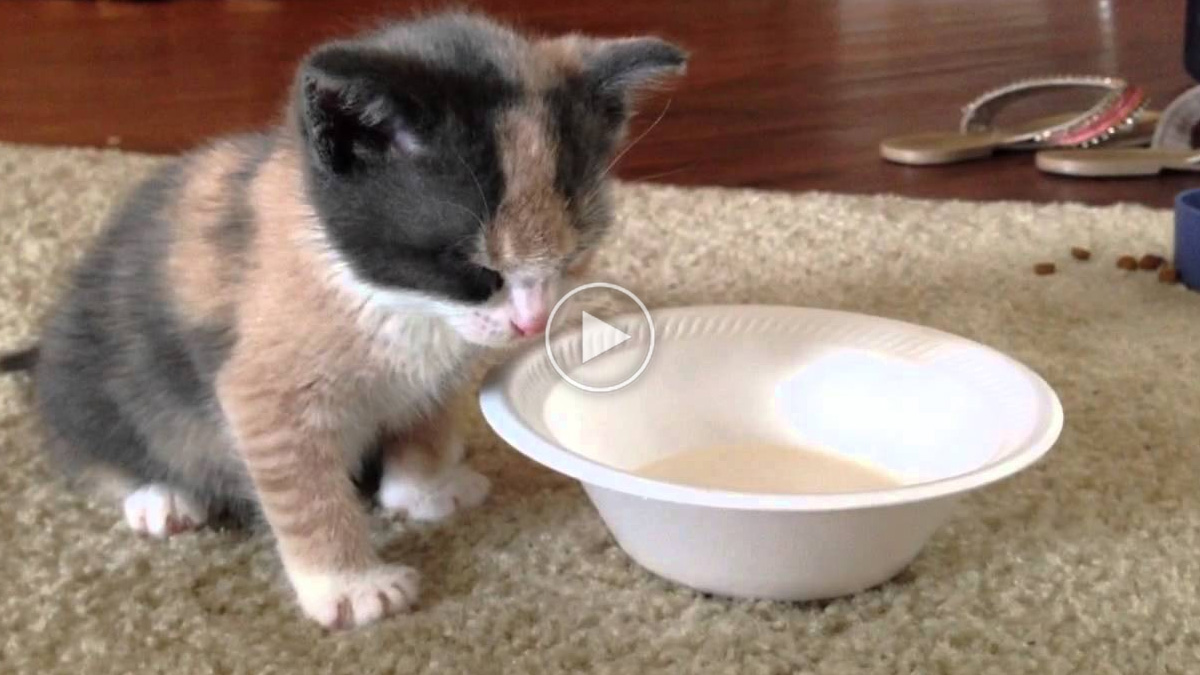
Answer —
599 337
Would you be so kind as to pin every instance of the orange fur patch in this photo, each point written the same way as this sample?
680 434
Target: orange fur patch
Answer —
314 373
555 58
197 273
532 227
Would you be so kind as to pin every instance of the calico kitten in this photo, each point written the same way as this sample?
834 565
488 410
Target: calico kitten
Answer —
264 311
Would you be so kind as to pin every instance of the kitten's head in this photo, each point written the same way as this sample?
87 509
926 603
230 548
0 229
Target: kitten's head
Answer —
460 168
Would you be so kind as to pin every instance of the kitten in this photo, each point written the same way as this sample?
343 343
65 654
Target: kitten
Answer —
263 313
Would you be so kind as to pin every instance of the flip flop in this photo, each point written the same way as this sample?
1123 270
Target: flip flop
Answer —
1119 117
1171 148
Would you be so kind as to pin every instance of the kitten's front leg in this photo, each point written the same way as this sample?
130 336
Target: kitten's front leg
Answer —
424 476
312 507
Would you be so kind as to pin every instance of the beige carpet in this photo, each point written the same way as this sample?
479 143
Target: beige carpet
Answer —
1088 563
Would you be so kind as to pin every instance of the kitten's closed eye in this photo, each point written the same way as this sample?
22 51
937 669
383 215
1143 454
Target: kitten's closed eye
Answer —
484 281
490 278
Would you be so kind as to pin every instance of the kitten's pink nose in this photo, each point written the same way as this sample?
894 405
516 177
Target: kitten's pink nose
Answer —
528 326
531 300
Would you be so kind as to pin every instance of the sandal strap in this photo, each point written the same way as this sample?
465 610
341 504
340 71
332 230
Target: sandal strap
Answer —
1105 124
1116 111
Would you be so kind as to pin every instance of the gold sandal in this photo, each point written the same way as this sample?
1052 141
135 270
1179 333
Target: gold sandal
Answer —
1118 118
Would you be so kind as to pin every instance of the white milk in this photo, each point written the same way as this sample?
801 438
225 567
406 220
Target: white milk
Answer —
764 468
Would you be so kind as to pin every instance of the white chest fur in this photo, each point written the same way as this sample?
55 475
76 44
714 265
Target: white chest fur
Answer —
410 363
405 360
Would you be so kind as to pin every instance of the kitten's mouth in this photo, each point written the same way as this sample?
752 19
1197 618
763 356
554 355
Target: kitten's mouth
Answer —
529 330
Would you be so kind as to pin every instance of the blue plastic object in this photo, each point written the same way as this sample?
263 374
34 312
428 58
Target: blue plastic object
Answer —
1187 237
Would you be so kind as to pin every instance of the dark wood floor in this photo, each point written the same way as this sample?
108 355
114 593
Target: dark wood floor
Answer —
782 94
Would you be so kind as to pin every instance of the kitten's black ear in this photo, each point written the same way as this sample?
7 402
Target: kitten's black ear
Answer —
620 70
348 113
624 66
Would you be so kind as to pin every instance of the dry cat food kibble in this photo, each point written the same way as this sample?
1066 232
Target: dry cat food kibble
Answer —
1151 261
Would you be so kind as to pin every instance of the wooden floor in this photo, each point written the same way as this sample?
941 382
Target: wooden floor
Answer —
782 94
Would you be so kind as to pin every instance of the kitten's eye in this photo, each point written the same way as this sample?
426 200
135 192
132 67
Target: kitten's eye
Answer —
482 282
496 279
489 278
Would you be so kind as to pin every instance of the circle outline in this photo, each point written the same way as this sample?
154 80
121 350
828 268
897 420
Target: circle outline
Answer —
579 385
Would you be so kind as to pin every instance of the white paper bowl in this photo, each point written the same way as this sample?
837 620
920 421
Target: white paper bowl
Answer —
944 413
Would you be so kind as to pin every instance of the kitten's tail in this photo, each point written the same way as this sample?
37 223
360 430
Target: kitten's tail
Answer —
13 362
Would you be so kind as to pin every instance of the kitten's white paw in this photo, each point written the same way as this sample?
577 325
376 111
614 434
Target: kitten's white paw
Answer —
343 600
431 499
161 511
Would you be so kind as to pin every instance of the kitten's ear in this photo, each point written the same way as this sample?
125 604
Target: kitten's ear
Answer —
615 71
622 67
349 114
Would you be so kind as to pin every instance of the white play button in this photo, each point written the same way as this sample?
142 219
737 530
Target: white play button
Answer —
626 324
599 337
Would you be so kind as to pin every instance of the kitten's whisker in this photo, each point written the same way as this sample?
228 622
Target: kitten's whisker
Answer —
636 140
471 172
460 206
661 174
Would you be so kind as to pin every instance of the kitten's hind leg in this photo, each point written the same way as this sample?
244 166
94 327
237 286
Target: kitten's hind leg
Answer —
162 511
424 476
151 508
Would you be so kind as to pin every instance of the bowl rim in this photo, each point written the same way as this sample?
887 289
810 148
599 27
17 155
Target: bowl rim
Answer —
502 417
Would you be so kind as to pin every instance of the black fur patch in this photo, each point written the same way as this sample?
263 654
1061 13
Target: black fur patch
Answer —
589 109
406 171
585 127
624 66
96 364
235 231
118 368
14 362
